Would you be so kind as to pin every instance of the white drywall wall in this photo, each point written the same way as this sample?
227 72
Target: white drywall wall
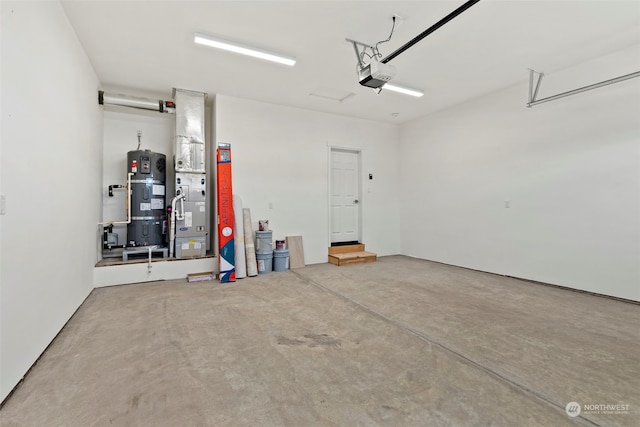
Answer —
570 170
51 176
280 157
160 270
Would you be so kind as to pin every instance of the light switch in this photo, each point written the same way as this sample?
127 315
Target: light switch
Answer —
3 205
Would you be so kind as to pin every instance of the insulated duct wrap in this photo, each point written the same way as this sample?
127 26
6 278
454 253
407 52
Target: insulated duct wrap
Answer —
189 142
133 102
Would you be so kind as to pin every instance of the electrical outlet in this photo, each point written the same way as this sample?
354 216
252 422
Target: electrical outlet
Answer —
3 205
270 205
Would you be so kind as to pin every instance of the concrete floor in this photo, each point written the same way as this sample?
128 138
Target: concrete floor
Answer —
400 342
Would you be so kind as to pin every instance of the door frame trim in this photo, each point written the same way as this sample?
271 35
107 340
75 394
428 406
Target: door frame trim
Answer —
359 152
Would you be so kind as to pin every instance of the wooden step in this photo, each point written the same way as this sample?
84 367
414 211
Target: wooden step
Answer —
358 257
346 248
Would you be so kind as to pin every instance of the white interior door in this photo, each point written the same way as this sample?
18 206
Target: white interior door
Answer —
344 195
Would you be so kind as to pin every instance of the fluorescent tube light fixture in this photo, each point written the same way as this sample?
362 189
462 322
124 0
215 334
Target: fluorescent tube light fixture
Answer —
232 46
402 89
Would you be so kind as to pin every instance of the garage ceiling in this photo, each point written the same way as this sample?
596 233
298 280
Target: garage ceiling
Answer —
147 47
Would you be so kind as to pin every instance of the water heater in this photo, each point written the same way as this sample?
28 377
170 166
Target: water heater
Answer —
148 226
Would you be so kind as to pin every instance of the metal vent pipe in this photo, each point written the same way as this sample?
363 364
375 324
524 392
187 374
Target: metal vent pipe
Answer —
133 102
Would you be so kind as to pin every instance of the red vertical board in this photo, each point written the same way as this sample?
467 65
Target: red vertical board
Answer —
225 214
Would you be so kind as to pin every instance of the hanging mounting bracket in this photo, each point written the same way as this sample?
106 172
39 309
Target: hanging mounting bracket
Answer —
533 93
358 54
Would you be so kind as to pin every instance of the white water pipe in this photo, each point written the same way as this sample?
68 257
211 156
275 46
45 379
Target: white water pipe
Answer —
128 201
172 226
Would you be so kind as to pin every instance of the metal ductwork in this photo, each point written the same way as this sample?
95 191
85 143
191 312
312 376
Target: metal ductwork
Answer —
189 138
189 221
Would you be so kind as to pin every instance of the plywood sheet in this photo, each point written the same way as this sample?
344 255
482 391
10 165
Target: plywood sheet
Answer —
347 248
352 258
296 251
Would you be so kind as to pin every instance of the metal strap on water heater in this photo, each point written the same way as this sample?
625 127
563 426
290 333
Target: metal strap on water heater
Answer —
147 181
